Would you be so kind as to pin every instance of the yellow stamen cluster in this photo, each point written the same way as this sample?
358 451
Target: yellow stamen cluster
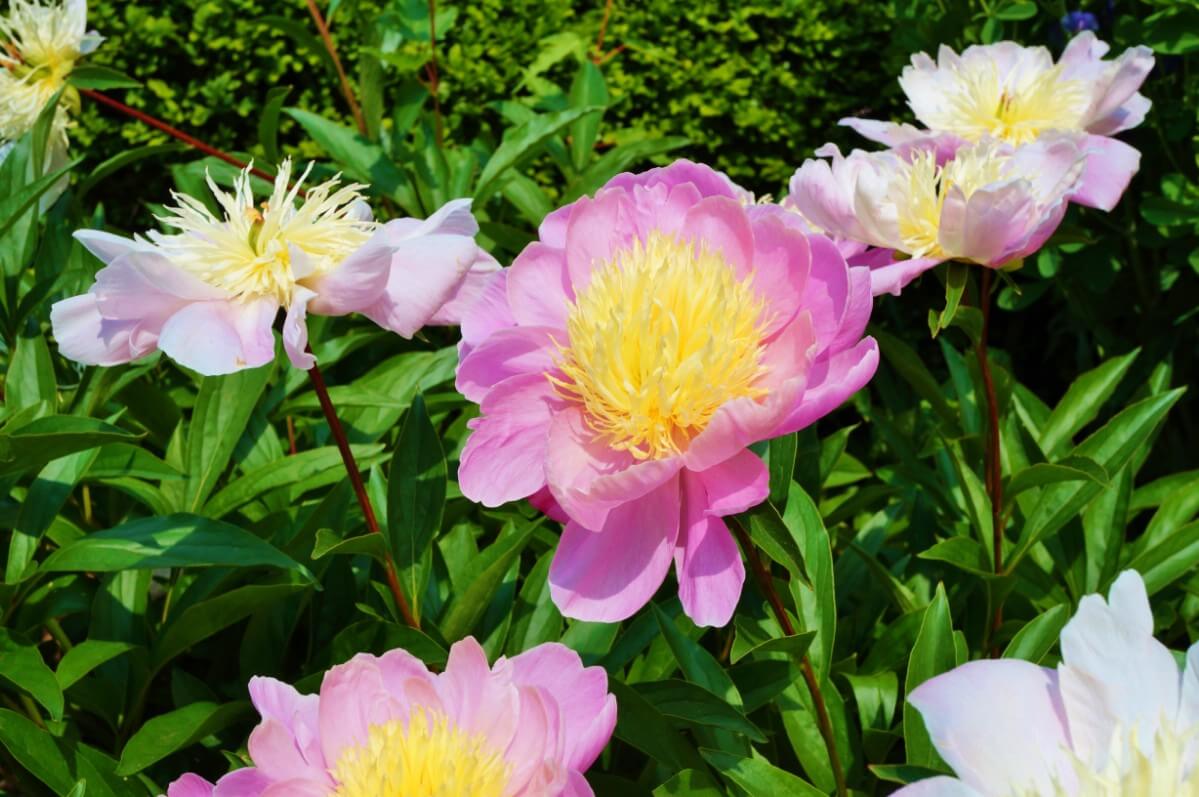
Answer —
1017 107
1168 770
920 189
662 336
248 250
424 757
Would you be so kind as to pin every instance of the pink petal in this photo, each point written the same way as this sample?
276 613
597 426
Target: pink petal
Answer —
894 277
706 560
289 788
504 457
734 485
357 282
577 786
598 229
85 336
353 698
1114 674
509 352
720 225
489 313
298 714
249 782
608 574
826 292
145 284
543 501
106 246
588 479
707 180
535 750
1109 168
1118 106
190 786
587 710
476 700
831 381
473 285
999 724
539 291
425 273
782 260
295 329
221 337
273 750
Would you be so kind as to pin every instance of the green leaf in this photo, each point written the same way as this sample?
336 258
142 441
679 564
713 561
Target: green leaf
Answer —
782 466
619 159
45 499
32 445
302 467
907 363
221 415
329 544
22 665
964 553
90 76
206 618
697 664
416 487
587 91
817 599
13 207
795 646
1110 448
774 537
1173 31
1170 559
59 763
1018 11
647 729
360 158
956 278
1034 641
122 159
1071 469
268 122
1084 398
758 777
174 541
932 654
177 729
85 657
30 377
484 577
521 143
689 783
695 705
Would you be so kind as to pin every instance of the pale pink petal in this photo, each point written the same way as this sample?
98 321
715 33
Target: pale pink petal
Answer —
220 337
190 786
289 788
144 284
477 701
425 273
735 485
295 329
939 786
85 336
894 277
535 749
831 381
707 180
1117 106
509 352
505 455
473 285
539 291
989 223
706 560
588 478
274 751
999 724
608 574
488 313
587 710
1188 705
298 714
1110 166
357 282
106 246
1114 674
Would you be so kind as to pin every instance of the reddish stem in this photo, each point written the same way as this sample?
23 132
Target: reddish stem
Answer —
364 501
598 56
175 132
433 75
347 89
993 461
766 584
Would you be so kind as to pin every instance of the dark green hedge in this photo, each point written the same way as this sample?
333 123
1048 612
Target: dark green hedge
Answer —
754 85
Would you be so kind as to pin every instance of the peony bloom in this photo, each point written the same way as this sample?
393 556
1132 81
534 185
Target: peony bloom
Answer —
527 727
627 359
208 295
1017 94
1116 719
39 46
991 204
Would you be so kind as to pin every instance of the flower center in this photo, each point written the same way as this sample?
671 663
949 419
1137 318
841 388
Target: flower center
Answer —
425 757
1016 108
664 334
253 253
920 190
1168 769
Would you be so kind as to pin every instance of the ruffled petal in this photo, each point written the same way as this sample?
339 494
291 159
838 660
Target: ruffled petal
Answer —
85 336
509 352
539 291
295 329
831 381
999 724
190 786
505 455
607 575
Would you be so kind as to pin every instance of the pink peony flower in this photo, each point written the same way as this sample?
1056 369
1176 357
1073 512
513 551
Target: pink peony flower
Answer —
527 727
627 359
1117 717
1017 94
991 204
208 295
